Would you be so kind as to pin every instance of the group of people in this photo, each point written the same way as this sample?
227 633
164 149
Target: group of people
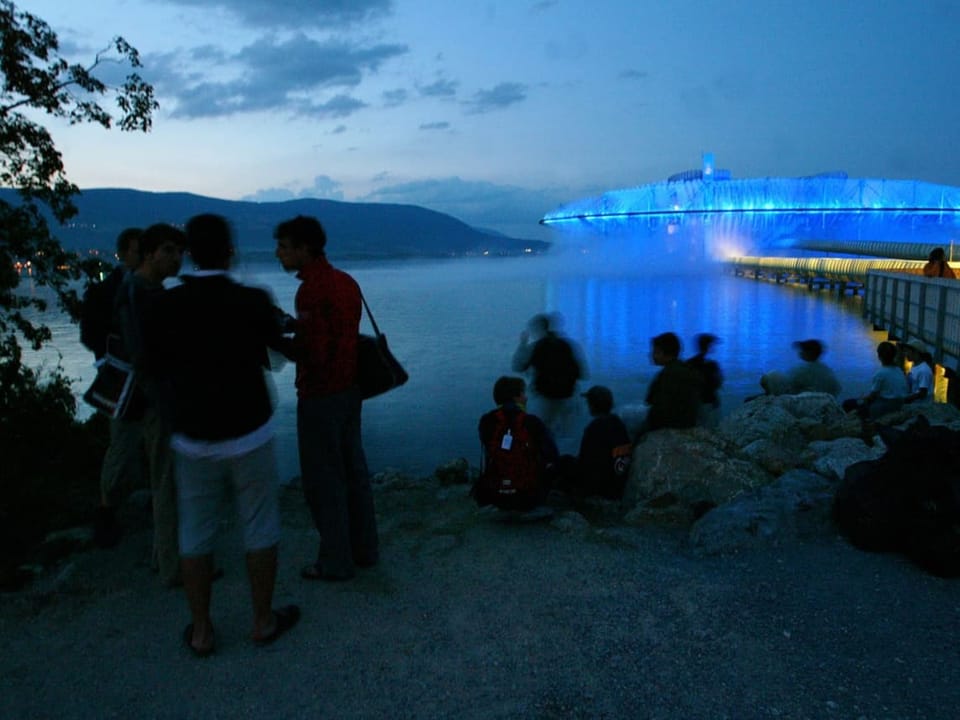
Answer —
200 421
521 462
891 386
200 418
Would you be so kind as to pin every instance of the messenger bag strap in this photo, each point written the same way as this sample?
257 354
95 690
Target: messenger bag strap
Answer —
373 322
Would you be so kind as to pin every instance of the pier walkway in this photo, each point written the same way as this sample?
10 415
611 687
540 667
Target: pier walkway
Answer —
896 297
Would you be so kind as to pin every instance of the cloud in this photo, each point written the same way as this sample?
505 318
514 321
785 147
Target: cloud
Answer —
270 75
478 203
323 187
439 88
543 5
394 98
339 106
435 126
498 97
296 13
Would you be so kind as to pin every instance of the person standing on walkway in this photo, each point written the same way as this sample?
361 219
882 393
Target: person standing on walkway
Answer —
208 339
333 466
161 248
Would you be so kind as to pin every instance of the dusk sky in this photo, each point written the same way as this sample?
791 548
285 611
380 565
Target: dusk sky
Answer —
497 112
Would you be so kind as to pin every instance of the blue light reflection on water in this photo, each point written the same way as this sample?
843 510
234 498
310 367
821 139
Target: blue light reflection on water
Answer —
455 324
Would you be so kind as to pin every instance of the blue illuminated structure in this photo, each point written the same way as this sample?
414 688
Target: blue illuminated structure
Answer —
709 206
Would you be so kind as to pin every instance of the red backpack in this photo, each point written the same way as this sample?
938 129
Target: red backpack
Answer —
511 478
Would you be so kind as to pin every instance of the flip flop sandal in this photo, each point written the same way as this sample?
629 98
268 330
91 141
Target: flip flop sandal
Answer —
286 618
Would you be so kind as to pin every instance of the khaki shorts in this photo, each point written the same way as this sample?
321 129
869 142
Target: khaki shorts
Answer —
203 486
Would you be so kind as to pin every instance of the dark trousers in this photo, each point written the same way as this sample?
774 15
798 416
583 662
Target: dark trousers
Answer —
336 482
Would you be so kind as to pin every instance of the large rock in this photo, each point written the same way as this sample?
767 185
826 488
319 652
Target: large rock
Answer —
795 505
833 457
680 473
935 413
777 458
813 407
909 499
761 419
788 420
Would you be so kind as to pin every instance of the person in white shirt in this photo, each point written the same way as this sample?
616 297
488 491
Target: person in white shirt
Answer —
920 377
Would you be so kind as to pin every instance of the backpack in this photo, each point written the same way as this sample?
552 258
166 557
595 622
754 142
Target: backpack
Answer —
96 313
511 478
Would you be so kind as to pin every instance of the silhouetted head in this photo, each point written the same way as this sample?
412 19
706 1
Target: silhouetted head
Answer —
705 341
507 389
303 231
599 400
161 251
666 347
209 241
540 324
810 350
937 255
887 352
128 247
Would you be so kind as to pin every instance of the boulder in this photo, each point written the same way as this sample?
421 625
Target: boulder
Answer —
795 505
777 458
455 472
761 419
790 420
679 473
833 457
813 407
909 499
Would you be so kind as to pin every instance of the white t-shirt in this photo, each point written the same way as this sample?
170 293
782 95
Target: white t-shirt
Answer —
890 383
921 376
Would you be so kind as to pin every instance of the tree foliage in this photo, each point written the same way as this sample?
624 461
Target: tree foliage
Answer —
36 81
49 459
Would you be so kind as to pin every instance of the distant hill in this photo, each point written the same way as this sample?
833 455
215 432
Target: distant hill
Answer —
354 230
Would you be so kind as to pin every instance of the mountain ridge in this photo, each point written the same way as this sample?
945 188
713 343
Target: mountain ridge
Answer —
371 230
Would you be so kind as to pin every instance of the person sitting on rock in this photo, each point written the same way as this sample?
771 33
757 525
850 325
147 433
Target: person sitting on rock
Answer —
888 389
519 452
600 468
920 377
712 379
675 394
810 375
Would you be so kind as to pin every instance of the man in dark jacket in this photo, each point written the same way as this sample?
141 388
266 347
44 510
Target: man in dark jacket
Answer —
121 467
207 341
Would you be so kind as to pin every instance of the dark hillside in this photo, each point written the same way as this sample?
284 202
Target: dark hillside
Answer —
354 229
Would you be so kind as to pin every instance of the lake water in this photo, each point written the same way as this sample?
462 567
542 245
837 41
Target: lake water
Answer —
454 324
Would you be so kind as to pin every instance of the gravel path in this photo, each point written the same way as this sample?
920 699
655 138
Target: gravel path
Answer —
469 616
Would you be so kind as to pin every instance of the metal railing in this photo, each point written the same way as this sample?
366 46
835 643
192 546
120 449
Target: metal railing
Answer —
843 270
915 308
